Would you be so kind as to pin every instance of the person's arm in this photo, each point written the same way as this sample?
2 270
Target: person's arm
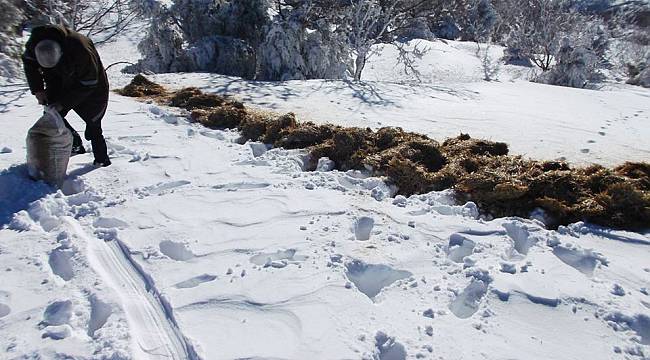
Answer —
86 78
32 72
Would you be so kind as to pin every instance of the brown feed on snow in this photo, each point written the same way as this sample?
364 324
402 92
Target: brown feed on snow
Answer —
478 170
140 86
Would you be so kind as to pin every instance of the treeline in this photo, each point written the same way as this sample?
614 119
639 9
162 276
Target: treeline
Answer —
572 42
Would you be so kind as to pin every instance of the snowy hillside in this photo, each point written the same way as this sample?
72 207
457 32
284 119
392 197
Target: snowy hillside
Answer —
191 246
607 126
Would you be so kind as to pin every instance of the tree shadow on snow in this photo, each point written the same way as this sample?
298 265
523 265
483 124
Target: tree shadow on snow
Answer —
10 95
370 93
258 91
17 191
366 92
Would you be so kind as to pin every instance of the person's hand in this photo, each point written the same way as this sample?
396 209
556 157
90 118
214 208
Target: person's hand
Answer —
41 97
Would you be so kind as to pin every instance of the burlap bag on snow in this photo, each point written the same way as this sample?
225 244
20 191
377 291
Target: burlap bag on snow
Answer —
49 144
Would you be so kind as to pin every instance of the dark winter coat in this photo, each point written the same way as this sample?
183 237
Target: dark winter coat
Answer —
78 75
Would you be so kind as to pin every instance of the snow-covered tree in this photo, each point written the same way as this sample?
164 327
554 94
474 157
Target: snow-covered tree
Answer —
629 23
273 39
197 35
537 29
368 21
568 46
573 66
11 18
101 20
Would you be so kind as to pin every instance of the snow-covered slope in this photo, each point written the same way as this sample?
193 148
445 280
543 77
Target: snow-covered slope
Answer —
607 126
191 246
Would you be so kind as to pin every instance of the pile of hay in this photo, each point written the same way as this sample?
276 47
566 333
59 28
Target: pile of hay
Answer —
478 170
140 86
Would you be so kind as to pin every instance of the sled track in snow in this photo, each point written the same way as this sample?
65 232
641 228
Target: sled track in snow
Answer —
154 329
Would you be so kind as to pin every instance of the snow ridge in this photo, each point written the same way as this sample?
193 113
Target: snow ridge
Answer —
188 350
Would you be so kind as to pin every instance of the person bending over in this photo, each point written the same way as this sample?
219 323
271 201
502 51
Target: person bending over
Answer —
64 70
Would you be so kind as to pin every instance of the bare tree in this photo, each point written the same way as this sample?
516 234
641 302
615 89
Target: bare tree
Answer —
537 28
101 20
370 22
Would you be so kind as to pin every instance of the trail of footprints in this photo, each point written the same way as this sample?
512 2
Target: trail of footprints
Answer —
461 248
608 123
57 322
369 279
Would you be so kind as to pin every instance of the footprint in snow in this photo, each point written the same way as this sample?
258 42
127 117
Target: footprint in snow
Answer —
459 248
195 281
99 314
57 313
176 250
388 348
363 228
520 235
58 332
371 279
468 301
61 264
4 310
161 187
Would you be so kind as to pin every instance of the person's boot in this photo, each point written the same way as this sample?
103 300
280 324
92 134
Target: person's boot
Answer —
104 163
100 152
77 145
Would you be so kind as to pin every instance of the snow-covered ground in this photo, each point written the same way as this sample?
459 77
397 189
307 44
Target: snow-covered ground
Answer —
191 246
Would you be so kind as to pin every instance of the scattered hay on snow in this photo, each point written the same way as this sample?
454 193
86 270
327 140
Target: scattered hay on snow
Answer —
266 127
225 117
478 170
306 135
193 98
140 86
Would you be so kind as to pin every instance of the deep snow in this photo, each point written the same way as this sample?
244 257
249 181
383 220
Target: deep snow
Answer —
193 246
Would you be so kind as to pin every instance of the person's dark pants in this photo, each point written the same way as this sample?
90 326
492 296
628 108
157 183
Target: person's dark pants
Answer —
91 111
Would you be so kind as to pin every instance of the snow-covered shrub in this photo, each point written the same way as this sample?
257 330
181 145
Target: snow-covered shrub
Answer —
573 67
281 53
326 54
446 28
514 56
418 29
481 19
640 74
630 27
236 38
581 56
162 47
536 30
568 46
198 35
